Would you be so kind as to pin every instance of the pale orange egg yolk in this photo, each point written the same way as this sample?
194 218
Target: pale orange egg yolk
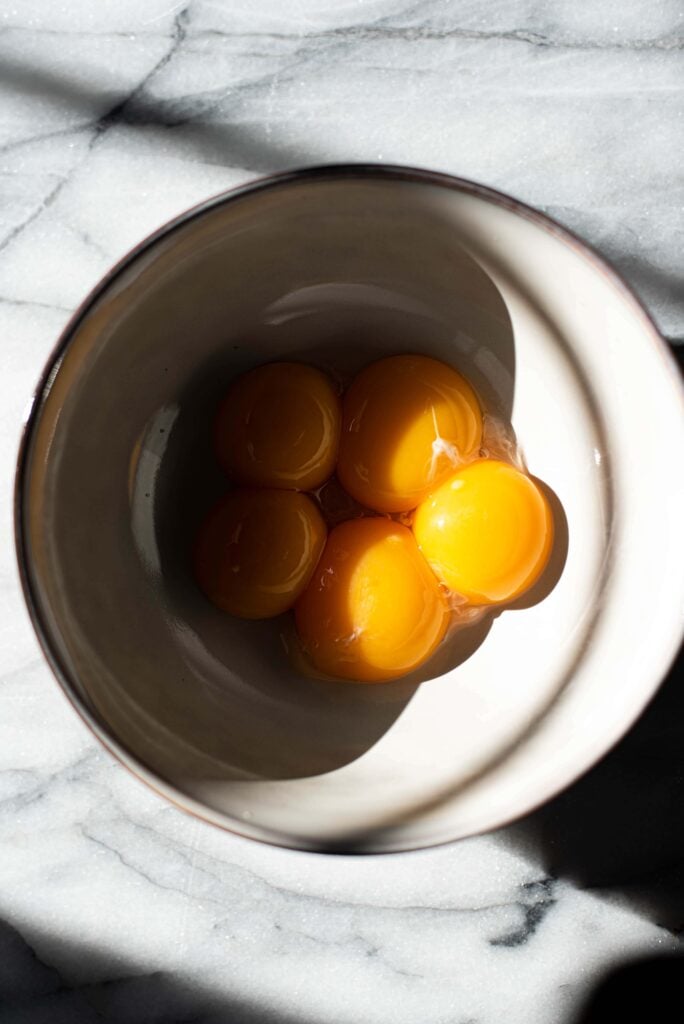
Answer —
257 549
373 609
487 532
279 426
408 422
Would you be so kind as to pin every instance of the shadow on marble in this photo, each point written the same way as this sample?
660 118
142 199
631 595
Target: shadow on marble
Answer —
620 828
652 284
648 989
678 351
190 118
32 991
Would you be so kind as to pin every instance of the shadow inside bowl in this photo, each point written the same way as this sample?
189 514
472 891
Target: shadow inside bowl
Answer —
557 558
297 725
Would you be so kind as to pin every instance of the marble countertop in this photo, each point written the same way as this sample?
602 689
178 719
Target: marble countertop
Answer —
115 116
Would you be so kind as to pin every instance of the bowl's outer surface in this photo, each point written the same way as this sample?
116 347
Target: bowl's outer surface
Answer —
337 266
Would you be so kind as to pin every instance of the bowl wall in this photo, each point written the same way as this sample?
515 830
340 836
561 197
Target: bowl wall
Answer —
338 267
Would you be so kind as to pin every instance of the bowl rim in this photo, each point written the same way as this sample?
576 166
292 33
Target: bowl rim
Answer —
334 171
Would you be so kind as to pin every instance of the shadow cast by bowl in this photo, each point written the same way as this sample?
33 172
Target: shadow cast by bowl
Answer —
620 828
557 559
645 989
188 122
45 977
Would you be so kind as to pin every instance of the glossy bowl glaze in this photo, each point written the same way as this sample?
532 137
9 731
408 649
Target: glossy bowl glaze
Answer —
337 266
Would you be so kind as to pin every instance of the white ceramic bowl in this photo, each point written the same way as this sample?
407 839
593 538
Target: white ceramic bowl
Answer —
337 266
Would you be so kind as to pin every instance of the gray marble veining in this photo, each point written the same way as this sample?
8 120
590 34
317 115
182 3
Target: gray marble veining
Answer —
114 117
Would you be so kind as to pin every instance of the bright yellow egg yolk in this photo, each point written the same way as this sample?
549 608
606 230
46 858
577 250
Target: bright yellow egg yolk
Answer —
487 532
257 549
279 426
373 609
408 422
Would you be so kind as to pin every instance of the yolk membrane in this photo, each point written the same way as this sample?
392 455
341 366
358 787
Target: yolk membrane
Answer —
279 426
257 549
487 532
373 609
408 422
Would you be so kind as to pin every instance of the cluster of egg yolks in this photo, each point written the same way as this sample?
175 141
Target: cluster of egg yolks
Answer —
279 426
371 600
256 550
373 610
487 532
408 421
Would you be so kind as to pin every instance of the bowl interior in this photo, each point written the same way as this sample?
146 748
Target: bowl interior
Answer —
337 270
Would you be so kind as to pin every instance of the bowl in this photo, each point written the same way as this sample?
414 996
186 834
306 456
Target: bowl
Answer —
337 266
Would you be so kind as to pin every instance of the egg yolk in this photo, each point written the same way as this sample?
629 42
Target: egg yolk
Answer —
279 426
487 532
408 422
257 549
373 609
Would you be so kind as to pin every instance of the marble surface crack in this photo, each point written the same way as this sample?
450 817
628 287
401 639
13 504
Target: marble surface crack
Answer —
355 942
9 147
41 783
536 901
99 128
77 33
118 113
407 33
531 891
411 34
125 862
6 300
44 205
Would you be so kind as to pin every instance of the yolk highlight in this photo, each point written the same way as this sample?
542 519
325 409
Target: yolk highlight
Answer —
279 426
408 422
487 532
373 609
257 549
